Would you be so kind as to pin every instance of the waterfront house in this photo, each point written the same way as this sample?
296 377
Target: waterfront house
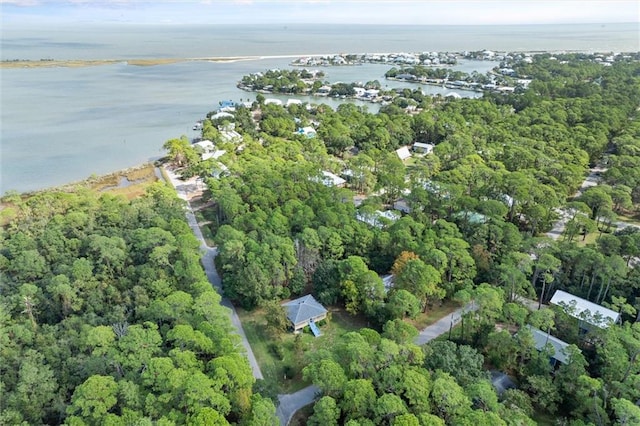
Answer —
219 115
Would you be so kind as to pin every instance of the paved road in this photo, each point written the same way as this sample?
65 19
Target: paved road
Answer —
590 181
208 255
290 403
443 324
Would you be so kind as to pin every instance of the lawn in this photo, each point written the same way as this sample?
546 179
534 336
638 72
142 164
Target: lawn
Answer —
433 314
633 219
282 358
591 239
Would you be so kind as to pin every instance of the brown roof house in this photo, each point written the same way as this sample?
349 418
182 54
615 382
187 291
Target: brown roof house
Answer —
303 311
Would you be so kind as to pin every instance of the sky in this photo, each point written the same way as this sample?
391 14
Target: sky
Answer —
413 12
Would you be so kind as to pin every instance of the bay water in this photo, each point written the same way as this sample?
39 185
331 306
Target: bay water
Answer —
60 124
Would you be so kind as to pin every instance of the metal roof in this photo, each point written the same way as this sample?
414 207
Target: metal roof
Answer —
543 339
582 309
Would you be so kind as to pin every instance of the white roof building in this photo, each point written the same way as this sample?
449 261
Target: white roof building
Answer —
402 205
584 310
205 145
273 101
425 148
329 179
403 153
307 131
221 115
215 155
379 218
231 136
387 281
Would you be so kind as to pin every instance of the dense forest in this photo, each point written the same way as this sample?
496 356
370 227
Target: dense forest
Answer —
108 318
476 211
107 310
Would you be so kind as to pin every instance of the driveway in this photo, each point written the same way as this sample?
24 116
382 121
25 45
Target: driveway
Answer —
290 403
208 255
592 179
443 324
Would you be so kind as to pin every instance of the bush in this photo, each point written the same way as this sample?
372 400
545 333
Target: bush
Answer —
277 351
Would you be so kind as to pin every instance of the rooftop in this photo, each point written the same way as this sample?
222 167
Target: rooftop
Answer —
303 309
582 309
543 339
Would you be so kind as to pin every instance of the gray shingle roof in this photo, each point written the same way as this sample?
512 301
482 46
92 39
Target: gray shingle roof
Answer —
303 309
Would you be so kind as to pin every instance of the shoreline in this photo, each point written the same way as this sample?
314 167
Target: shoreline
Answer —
76 63
100 183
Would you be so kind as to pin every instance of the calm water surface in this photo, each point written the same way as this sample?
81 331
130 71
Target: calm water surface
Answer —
64 124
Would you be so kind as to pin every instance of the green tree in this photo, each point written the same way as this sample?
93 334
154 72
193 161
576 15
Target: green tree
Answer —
359 399
401 303
462 362
325 412
328 375
36 389
420 279
387 408
94 398
448 398
626 412
276 317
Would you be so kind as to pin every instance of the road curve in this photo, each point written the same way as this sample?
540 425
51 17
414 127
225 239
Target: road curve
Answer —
290 403
208 256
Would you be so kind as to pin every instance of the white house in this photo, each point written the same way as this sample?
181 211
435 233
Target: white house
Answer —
378 219
273 101
424 148
403 153
402 205
221 115
307 131
387 281
215 154
204 146
330 179
230 135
